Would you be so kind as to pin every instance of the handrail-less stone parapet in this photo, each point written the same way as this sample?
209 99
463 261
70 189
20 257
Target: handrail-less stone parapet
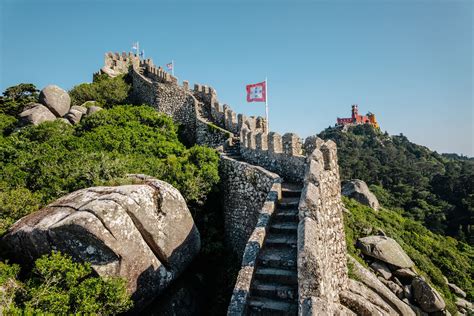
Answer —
239 299
322 266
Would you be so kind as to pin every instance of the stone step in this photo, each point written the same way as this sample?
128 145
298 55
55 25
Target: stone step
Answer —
285 228
274 290
291 189
289 203
290 215
283 276
271 257
266 306
281 240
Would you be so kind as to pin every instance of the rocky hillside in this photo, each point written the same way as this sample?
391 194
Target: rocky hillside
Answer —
437 190
409 259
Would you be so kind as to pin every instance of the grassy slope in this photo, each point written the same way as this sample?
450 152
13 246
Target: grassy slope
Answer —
433 254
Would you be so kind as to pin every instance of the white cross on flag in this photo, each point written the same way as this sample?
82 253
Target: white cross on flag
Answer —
257 92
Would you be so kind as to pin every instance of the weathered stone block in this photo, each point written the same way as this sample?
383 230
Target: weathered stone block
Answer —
251 140
261 141
186 84
291 144
243 137
261 124
311 143
274 143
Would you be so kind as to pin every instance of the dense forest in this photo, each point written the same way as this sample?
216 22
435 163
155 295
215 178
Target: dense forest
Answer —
437 190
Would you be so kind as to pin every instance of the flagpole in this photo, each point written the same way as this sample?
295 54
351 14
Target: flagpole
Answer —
266 103
172 67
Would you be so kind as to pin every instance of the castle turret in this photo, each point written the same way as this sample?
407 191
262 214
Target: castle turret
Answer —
355 112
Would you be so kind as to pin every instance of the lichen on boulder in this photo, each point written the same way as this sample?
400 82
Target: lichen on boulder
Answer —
55 99
385 249
359 191
141 232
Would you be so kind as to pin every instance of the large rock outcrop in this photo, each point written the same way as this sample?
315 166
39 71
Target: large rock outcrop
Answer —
359 191
426 296
36 114
396 274
55 99
370 296
385 249
143 233
74 116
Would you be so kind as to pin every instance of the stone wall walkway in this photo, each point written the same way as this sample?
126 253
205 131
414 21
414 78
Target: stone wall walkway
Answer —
274 289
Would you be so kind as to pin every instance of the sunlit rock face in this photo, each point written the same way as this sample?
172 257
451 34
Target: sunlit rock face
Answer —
141 232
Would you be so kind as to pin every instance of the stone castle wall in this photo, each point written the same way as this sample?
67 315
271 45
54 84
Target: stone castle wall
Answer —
211 135
284 155
322 265
119 63
157 74
244 191
168 98
238 301
322 271
144 90
204 120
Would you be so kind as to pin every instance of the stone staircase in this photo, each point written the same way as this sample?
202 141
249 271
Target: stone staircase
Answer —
233 150
274 289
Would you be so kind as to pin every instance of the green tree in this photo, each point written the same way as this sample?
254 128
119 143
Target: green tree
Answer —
106 91
16 97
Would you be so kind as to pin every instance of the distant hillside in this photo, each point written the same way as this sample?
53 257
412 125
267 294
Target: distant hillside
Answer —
437 190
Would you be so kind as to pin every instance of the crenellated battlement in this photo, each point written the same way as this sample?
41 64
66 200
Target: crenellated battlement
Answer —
119 63
284 155
146 76
157 73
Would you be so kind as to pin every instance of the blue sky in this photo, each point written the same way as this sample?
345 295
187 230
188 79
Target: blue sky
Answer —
409 62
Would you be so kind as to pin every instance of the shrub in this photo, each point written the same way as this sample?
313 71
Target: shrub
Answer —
105 90
9 285
57 285
41 163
